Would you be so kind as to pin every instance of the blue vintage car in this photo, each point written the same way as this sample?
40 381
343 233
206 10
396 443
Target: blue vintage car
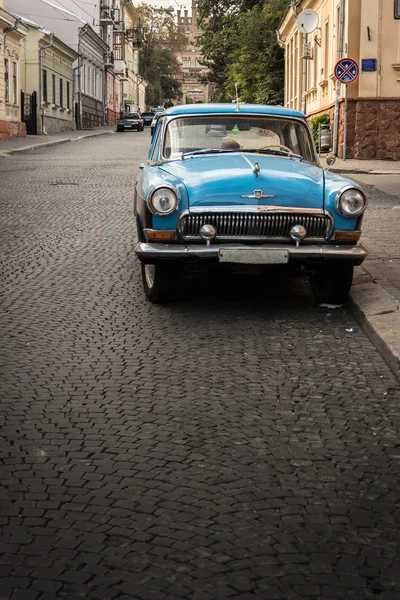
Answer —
242 185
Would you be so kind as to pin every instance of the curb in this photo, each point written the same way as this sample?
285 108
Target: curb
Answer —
363 172
52 143
378 315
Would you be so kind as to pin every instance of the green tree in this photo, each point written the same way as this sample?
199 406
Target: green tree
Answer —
158 65
239 46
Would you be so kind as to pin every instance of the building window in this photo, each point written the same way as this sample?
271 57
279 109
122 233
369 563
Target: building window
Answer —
15 83
397 9
61 93
6 80
68 96
44 85
53 81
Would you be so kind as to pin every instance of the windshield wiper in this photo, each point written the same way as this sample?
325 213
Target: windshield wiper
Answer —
274 152
209 151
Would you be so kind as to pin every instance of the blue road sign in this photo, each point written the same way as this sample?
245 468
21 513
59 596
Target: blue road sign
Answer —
368 64
347 70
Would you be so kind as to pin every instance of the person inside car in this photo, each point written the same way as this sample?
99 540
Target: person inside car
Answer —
231 144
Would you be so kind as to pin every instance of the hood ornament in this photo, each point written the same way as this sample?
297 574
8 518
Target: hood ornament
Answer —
255 168
258 194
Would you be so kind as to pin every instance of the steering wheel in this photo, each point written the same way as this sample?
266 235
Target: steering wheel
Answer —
275 146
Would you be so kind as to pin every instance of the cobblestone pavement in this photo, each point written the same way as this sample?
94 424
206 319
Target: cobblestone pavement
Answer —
236 444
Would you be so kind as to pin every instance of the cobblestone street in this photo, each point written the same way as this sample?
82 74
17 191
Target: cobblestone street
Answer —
236 444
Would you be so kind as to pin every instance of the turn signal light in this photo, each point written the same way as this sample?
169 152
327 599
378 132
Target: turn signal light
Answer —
347 236
157 235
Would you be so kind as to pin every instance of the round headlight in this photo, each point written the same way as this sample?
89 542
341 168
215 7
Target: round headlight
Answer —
351 202
163 201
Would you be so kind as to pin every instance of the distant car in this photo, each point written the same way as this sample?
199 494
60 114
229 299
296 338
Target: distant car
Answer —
147 118
130 122
255 198
154 121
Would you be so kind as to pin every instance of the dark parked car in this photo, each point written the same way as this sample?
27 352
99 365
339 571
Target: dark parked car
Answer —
130 122
147 118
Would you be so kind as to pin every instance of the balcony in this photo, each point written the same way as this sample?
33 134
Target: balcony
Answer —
109 59
134 37
109 15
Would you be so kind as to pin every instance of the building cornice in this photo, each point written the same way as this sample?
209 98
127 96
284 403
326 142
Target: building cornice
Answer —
60 46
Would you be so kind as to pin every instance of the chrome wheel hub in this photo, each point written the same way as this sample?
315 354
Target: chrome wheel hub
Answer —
150 273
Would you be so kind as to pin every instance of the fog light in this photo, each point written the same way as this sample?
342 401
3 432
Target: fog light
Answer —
298 233
208 233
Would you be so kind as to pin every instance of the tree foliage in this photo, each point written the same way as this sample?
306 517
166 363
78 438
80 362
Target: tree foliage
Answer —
158 65
239 46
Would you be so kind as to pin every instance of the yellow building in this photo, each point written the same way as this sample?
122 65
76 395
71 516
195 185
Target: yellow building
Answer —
12 32
47 72
367 31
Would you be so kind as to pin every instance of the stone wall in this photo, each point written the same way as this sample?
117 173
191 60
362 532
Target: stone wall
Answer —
373 130
112 117
12 129
54 125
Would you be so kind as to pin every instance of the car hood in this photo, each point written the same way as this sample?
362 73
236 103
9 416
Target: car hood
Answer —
215 180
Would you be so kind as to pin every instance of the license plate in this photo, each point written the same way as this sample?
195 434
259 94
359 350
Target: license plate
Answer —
254 256
128 126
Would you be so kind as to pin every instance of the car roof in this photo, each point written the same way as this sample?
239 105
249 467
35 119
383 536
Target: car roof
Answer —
223 109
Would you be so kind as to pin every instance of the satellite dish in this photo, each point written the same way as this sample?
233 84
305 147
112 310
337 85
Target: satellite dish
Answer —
307 21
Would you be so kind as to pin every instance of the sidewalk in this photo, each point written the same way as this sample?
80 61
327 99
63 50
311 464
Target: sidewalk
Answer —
375 296
33 142
374 167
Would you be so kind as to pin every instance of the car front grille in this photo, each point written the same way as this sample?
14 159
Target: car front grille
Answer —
257 226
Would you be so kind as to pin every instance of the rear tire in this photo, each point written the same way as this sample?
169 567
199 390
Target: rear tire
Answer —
331 284
160 281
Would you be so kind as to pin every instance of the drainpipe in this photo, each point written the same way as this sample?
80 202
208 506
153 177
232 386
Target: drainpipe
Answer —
9 30
338 84
41 50
81 33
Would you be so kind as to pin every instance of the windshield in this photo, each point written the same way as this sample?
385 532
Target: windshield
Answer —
130 116
238 132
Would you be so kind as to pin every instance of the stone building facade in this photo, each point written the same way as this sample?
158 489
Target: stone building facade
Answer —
12 34
371 36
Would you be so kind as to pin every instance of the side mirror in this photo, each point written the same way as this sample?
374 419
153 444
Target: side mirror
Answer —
330 160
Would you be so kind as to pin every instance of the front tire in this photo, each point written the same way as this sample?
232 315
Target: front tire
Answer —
160 281
331 284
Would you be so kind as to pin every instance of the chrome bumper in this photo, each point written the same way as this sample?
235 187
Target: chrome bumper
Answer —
148 252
